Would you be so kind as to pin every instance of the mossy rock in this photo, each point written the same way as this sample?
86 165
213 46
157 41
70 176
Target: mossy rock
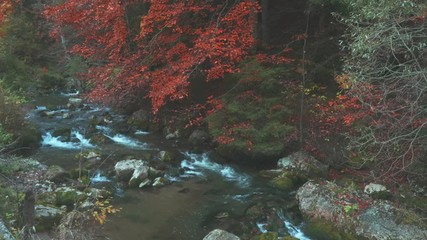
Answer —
99 139
267 236
47 217
166 156
56 174
68 196
321 230
289 238
140 120
76 173
287 181
64 133
255 212
16 164
46 199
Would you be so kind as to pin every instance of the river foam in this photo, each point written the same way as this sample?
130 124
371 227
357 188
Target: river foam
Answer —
50 141
197 164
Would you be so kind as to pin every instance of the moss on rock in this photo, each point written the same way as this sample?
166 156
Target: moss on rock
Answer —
267 236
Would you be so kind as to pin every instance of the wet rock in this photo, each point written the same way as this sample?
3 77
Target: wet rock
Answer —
140 120
198 137
160 182
304 164
56 174
47 217
67 115
255 212
92 155
287 181
354 212
48 114
172 136
99 139
124 169
63 133
219 234
221 215
145 183
140 173
270 173
75 103
135 171
166 156
96 120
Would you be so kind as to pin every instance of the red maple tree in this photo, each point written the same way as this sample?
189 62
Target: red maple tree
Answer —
175 40
6 8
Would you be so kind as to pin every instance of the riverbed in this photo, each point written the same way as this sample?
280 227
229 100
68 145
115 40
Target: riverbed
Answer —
201 195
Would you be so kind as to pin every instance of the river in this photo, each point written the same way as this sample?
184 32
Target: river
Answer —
202 194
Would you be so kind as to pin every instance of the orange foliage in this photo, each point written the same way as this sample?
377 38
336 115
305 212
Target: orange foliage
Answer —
6 8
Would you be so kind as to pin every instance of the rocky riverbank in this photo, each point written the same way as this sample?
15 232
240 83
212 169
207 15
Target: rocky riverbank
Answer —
69 197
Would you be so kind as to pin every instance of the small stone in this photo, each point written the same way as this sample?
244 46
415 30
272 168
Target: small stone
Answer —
145 183
173 135
159 182
374 187
91 155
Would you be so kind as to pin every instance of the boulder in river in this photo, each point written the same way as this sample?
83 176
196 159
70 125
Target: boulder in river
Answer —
124 169
134 171
198 137
219 234
166 156
75 103
356 213
140 120
140 173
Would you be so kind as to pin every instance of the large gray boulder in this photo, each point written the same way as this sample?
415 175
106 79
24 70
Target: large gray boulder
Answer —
140 120
198 137
304 164
294 170
47 217
357 213
75 103
125 168
56 174
134 171
219 234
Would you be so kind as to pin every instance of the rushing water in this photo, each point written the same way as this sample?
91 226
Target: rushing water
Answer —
202 195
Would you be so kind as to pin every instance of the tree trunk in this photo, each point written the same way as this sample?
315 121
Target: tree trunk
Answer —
28 213
265 26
